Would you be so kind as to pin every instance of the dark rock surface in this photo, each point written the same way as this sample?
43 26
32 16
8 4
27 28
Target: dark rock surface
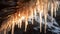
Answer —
6 8
58 16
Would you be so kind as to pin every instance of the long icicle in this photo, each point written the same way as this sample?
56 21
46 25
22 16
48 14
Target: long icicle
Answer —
45 13
52 12
13 24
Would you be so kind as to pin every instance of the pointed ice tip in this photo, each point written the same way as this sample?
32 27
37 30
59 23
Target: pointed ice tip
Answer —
40 30
45 32
25 30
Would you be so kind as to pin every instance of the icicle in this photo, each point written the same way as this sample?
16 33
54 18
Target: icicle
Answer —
26 23
5 31
13 24
55 8
52 12
16 18
40 21
20 21
35 12
26 20
45 23
32 16
12 32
